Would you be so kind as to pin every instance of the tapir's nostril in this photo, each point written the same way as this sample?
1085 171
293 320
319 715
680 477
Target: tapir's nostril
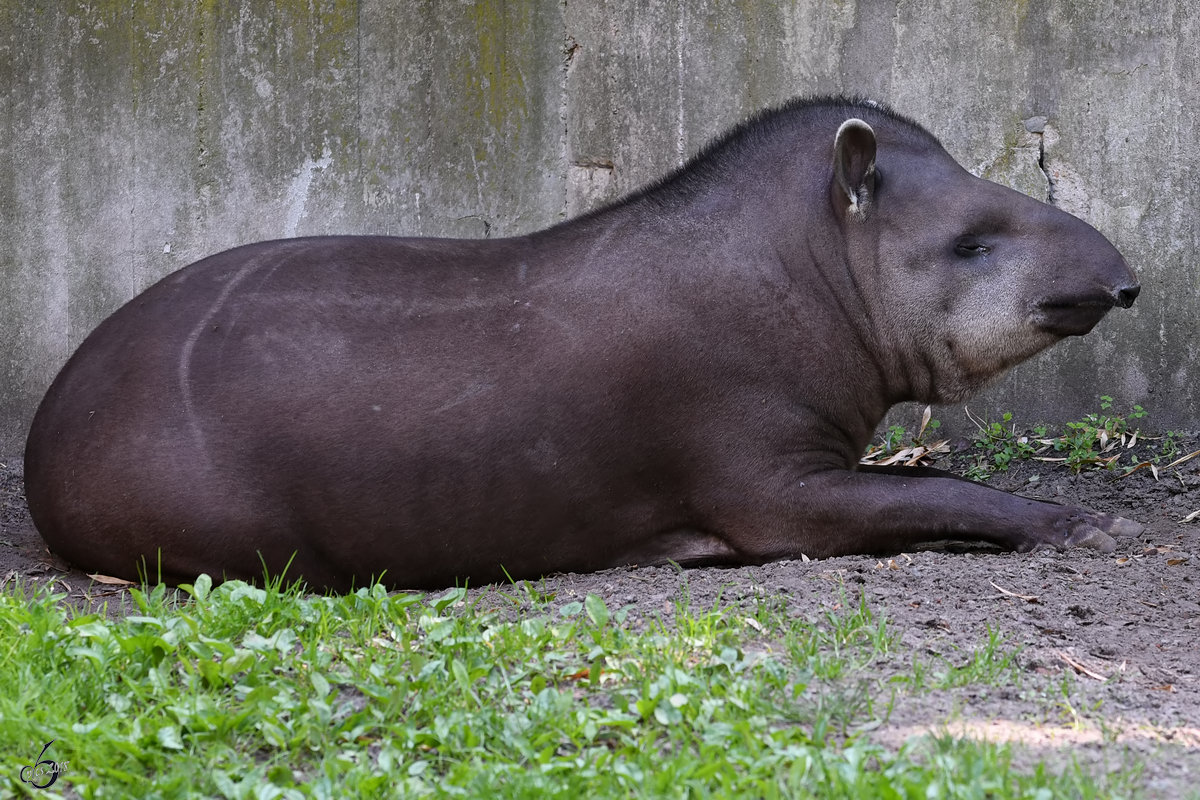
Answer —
1127 294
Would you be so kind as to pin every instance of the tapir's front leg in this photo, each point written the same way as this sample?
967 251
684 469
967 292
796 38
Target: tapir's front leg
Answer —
840 512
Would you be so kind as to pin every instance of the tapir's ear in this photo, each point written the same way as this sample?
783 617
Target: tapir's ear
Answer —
854 165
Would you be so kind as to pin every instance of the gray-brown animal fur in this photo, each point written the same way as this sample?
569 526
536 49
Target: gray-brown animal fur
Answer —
690 374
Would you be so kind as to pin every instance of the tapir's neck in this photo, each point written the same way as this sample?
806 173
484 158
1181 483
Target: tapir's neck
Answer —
860 366
844 256
814 293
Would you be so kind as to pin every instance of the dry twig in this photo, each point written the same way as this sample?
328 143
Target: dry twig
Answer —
1082 669
1029 598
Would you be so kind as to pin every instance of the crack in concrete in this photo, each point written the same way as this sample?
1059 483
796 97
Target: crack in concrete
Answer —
1045 170
594 163
570 47
487 225
1037 126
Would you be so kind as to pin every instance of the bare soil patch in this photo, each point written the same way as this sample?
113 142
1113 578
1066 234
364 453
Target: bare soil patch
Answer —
1109 644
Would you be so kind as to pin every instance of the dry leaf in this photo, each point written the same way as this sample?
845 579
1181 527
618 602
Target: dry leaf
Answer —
925 417
1135 468
900 456
110 580
1175 562
926 453
1179 461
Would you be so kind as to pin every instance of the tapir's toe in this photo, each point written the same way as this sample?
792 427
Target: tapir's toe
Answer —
1123 528
1083 528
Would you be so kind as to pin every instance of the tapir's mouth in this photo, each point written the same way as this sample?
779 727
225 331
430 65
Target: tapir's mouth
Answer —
1074 316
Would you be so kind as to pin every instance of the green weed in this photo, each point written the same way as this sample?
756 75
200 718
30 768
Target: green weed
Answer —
1098 441
998 445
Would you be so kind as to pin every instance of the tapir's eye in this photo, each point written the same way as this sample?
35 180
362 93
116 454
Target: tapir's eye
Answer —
970 247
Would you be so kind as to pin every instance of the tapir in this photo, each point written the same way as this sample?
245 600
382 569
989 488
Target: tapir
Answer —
690 375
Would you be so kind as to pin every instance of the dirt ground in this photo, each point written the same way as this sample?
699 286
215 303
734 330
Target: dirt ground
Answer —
1124 627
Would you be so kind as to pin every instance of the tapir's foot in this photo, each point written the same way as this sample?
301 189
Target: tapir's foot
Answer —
1089 536
1079 528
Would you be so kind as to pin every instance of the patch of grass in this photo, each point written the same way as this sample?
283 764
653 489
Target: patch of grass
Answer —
1090 442
894 439
992 664
897 447
241 691
1168 447
840 644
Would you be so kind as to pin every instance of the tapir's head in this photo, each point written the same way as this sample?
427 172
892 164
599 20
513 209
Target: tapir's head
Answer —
970 277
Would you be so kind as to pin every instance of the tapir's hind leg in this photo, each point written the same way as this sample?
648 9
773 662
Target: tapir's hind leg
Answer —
138 520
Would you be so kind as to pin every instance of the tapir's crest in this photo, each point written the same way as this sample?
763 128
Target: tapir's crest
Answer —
686 375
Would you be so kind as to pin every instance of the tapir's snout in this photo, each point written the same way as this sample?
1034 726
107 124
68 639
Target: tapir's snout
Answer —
1125 295
1124 283
1119 275
1076 314
1108 267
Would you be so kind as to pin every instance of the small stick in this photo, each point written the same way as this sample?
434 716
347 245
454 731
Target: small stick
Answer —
1031 598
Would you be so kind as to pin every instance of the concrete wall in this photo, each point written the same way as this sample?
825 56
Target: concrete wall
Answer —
138 137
